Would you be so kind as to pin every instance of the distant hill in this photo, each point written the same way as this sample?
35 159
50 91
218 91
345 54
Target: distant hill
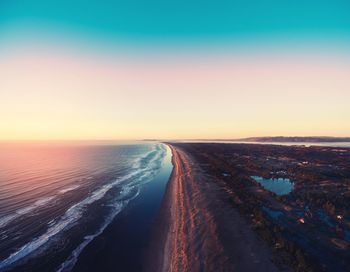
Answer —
281 139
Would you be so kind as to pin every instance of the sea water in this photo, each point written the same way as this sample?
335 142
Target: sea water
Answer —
56 199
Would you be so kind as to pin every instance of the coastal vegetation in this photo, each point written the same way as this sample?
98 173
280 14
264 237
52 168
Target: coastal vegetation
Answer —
309 227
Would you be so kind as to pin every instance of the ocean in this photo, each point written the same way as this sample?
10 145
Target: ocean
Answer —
56 201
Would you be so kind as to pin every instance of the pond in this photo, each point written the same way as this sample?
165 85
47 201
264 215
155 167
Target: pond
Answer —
280 186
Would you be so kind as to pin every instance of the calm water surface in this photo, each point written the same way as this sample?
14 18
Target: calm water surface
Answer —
280 186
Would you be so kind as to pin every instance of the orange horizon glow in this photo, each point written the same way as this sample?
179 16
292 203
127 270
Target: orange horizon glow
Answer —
52 94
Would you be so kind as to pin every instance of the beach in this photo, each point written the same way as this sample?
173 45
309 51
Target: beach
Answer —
199 231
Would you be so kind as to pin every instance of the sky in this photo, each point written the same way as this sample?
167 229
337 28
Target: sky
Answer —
94 70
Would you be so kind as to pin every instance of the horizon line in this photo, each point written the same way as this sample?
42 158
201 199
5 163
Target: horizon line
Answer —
170 139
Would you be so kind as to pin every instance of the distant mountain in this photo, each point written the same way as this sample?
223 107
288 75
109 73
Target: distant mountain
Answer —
282 139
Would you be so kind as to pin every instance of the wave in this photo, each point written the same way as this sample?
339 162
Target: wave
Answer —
20 212
141 171
37 204
73 258
71 188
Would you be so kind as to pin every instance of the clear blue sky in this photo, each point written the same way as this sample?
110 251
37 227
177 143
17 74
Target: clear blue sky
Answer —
180 19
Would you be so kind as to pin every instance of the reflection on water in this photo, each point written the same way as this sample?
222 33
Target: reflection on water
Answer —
280 186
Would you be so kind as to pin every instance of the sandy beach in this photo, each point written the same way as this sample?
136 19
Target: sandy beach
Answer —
198 230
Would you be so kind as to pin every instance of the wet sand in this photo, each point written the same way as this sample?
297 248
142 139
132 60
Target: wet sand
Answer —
198 230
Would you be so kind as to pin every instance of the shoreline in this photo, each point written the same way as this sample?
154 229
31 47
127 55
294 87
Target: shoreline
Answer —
197 229
154 256
124 241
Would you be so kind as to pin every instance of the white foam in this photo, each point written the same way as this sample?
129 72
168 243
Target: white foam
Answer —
71 188
71 216
73 258
7 219
37 204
